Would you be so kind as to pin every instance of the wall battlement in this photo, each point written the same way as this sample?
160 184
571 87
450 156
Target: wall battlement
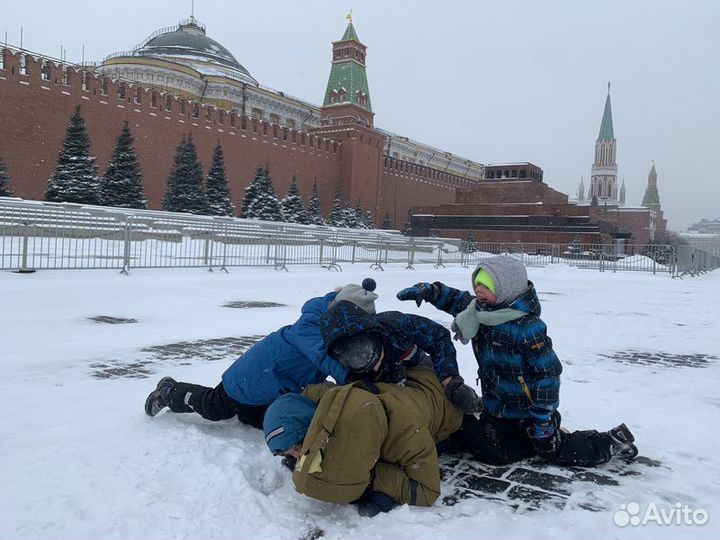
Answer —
38 95
48 74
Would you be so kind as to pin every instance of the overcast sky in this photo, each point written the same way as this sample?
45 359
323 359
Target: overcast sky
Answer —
490 80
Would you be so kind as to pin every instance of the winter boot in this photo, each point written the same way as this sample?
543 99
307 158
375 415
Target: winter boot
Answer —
622 443
160 397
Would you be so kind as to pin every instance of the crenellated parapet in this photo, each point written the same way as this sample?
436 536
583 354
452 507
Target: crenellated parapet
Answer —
427 175
52 75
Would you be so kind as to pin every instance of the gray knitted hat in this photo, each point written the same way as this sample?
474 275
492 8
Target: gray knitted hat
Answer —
354 293
509 275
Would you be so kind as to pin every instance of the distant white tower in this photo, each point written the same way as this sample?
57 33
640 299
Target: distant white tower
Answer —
603 178
581 191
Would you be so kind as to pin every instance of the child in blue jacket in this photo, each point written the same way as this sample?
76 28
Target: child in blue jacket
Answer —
518 370
285 361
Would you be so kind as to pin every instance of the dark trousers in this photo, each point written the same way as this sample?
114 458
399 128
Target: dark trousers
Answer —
214 404
499 441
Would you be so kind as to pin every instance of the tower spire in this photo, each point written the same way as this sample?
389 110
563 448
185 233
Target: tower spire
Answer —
603 178
606 126
651 199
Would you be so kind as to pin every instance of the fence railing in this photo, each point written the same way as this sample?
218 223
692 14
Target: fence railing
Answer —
37 235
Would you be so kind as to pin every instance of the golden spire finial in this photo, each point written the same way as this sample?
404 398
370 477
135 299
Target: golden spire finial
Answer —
348 17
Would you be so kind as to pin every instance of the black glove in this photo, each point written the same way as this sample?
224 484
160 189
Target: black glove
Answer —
418 292
461 395
373 502
289 462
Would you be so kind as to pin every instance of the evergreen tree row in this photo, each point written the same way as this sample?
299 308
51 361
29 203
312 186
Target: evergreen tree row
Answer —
76 179
261 202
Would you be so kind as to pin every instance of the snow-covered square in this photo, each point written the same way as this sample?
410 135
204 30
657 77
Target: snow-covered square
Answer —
82 349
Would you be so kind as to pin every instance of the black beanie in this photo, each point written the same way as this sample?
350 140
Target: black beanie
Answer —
359 353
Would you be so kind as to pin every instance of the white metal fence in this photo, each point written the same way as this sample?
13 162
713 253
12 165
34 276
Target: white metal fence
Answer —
37 235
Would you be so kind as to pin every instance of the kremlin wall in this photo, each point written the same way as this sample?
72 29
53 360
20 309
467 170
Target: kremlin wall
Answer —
165 94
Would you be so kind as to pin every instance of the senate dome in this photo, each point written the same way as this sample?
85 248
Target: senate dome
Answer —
187 44
184 62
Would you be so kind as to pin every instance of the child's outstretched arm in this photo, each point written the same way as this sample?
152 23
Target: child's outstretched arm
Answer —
444 298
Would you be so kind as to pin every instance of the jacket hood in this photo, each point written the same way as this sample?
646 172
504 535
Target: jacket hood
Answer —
508 274
318 305
527 301
346 319
287 420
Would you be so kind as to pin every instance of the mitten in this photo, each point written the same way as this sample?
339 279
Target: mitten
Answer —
418 292
461 395
373 502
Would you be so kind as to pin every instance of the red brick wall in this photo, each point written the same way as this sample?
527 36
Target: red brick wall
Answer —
634 221
34 114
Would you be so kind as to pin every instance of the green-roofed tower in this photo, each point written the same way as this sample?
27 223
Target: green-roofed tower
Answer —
347 97
603 178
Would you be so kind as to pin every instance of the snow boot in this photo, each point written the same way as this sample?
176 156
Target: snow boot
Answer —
160 397
622 441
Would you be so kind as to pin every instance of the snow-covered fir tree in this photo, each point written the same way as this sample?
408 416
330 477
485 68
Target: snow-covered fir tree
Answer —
314 211
337 216
265 205
407 227
251 191
5 190
387 223
121 184
360 216
293 209
369 221
350 216
185 191
218 194
75 178
365 217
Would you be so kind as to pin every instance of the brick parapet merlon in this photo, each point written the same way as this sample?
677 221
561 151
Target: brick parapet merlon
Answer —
77 81
413 171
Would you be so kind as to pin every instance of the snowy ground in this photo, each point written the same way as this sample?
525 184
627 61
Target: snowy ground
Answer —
81 460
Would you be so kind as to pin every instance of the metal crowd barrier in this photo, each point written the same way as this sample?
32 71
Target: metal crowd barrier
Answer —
37 235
